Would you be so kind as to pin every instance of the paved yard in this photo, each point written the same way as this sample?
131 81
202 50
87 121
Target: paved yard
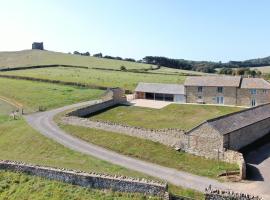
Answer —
149 103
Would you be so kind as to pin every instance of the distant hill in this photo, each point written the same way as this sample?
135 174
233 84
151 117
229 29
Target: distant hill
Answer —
204 66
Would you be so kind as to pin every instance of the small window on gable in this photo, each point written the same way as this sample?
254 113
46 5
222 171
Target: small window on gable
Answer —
253 91
220 89
200 89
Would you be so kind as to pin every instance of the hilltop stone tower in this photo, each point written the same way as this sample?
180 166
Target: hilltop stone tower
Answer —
38 45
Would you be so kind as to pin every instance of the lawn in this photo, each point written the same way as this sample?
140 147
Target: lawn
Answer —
32 95
18 141
180 116
15 186
36 57
150 151
107 78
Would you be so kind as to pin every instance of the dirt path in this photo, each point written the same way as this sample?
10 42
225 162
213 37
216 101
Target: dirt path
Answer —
43 122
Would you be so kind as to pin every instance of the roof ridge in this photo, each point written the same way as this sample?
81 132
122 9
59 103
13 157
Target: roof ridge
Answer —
237 112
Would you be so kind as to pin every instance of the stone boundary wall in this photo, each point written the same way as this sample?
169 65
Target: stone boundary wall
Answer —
98 106
231 156
168 137
4 69
90 180
215 194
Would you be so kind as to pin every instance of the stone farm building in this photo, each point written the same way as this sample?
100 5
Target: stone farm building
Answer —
229 132
227 90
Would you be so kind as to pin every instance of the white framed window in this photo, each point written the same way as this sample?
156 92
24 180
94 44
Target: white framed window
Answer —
220 89
264 91
220 100
253 102
253 91
200 89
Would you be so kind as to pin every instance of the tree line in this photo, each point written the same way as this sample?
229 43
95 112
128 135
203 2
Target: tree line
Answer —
202 66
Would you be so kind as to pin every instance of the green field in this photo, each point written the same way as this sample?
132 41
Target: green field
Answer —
14 186
179 116
127 80
150 151
18 141
32 95
264 70
37 57
6 108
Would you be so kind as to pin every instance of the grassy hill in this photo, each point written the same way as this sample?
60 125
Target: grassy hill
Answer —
37 57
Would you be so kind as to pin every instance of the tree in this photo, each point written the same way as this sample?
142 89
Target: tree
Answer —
98 55
123 68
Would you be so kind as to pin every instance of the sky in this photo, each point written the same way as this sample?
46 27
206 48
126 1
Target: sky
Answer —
186 29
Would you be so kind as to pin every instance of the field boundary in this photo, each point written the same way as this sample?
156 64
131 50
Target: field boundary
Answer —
76 84
90 180
39 66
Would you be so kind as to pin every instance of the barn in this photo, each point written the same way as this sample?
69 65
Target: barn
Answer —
161 92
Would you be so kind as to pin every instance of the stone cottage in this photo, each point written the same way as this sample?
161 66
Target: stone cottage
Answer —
227 90
229 132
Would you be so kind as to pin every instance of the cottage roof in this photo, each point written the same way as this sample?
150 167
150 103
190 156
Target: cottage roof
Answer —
217 81
234 121
255 83
160 88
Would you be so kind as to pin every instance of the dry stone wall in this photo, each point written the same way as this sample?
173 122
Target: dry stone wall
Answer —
169 137
90 180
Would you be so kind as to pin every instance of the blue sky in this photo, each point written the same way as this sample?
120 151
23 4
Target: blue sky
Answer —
189 29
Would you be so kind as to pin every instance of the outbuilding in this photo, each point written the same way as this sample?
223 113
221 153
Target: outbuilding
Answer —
161 92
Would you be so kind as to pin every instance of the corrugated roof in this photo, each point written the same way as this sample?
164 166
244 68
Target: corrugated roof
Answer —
215 81
160 88
234 121
255 83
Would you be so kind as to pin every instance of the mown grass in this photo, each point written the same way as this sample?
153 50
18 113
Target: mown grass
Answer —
150 151
127 80
180 116
36 57
32 95
14 186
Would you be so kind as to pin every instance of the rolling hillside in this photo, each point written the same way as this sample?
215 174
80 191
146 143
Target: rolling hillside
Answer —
37 57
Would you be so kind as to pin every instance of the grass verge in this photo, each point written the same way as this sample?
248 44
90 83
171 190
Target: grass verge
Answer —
150 151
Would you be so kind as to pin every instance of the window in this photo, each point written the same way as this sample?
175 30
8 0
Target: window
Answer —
253 102
220 89
253 91
199 97
220 100
264 91
200 89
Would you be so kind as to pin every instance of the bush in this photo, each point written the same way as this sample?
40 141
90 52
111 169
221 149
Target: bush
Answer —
123 68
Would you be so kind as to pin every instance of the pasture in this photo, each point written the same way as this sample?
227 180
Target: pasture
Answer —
150 151
264 70
33 95
182 116
107 78
15 186
37 57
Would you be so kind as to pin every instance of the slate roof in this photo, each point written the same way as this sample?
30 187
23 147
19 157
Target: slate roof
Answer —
234 121
255 83
216 81
160 88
